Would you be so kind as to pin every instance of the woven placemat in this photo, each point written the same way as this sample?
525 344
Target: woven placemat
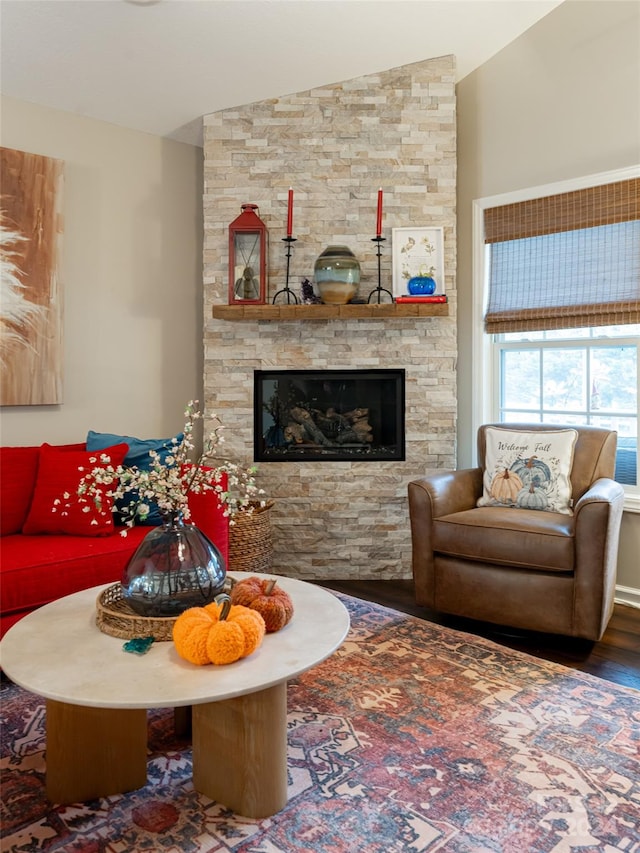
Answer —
114 616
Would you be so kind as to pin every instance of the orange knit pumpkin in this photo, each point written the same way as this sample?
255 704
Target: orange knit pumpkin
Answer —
190 632
262 595
201 636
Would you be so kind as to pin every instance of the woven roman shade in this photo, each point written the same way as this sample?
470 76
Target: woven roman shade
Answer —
565 261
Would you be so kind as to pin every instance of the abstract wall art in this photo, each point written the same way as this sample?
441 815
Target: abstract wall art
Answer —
31 230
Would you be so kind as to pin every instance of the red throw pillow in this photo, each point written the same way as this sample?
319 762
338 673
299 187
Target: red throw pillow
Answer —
18 468
59 473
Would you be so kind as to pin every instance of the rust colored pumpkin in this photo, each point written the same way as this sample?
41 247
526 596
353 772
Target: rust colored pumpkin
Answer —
265 597
205 635
505 486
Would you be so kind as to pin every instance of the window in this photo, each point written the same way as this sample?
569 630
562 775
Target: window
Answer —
557 325
579 376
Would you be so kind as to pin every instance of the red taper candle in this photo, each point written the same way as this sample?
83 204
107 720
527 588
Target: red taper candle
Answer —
290 214
379 220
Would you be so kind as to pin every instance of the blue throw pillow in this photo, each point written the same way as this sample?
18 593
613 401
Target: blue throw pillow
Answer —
137 457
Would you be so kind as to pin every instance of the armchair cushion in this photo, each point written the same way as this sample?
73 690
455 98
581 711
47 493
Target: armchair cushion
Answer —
528 470
539 541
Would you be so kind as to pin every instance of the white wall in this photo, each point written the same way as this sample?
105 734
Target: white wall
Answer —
561 101
131 277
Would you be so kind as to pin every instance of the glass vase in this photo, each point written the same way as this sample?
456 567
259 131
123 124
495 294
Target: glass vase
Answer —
175 567
421 285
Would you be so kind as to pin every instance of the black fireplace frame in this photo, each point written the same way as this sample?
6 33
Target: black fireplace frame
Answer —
393 451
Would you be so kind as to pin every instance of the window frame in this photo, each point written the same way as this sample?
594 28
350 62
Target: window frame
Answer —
485 354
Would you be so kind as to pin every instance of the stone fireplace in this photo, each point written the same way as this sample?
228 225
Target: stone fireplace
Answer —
336 146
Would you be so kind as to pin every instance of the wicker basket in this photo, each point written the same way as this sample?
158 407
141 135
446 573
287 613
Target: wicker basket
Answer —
250 542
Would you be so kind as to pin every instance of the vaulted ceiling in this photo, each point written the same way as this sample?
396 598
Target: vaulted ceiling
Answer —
159 65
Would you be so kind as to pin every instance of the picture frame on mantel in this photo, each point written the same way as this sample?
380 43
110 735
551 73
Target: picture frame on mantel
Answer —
417 252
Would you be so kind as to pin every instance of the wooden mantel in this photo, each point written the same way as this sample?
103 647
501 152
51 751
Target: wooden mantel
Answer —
359 311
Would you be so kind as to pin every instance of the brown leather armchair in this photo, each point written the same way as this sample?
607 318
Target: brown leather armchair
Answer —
523 568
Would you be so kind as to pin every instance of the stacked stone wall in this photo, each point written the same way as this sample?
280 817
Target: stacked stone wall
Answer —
336 146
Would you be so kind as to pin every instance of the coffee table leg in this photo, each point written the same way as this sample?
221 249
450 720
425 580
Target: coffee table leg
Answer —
94 752
240 751
182 721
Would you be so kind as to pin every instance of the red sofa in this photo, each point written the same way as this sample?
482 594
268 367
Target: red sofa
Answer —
39 567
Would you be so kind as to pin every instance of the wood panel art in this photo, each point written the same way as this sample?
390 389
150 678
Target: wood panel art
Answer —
31 227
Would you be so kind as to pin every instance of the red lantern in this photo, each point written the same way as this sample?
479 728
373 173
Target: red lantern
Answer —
248 243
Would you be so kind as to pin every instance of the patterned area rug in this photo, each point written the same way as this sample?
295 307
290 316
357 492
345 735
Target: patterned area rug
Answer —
411 738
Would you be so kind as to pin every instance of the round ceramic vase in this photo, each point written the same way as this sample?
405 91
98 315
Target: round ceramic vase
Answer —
337 275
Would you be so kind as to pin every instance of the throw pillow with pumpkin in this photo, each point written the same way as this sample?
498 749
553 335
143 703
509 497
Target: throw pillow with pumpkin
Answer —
266 598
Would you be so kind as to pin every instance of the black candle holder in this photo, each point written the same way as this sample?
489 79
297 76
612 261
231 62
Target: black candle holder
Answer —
286 290
376 293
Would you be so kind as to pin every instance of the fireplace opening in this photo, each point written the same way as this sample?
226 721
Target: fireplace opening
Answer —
329 415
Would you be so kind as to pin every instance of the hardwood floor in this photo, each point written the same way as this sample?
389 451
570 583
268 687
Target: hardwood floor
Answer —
616 657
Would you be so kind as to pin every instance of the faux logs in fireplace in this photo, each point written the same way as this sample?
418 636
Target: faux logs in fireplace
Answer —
329 415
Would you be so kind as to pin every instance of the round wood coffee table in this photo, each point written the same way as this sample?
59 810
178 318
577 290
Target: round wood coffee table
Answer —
97 698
